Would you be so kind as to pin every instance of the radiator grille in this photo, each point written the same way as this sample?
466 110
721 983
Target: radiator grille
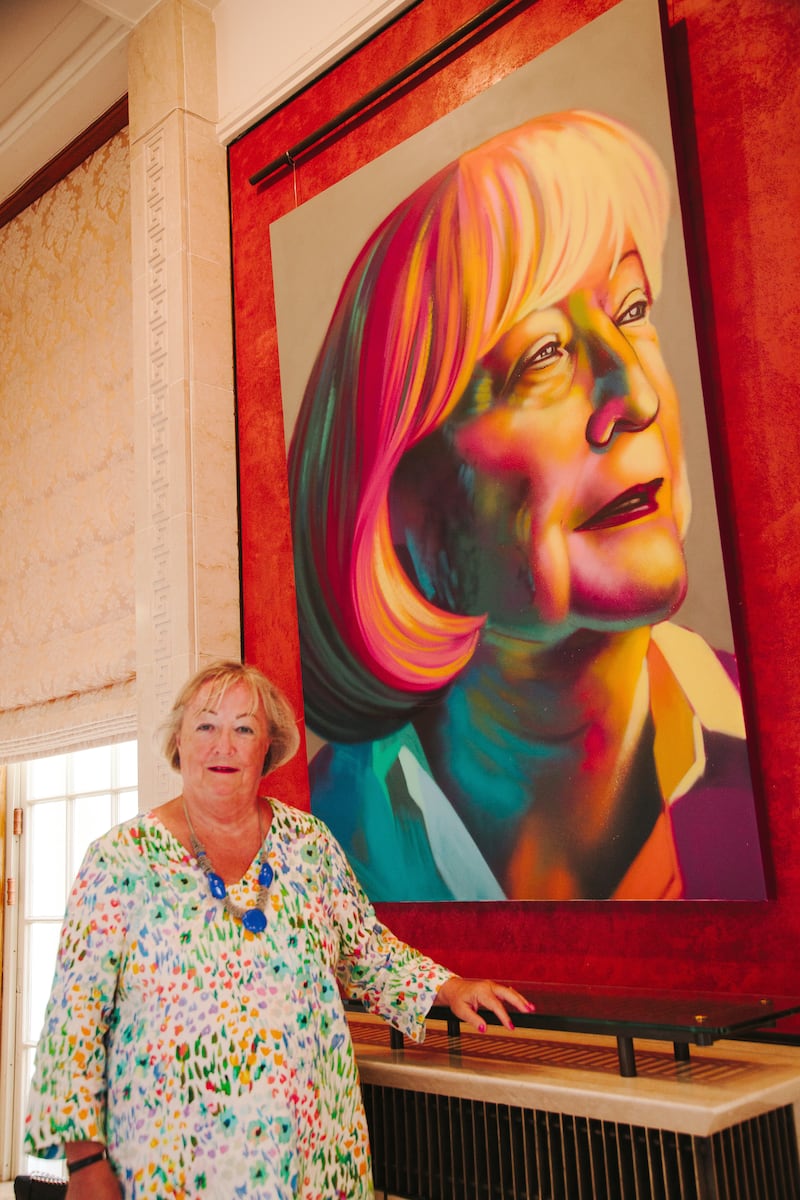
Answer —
432 1147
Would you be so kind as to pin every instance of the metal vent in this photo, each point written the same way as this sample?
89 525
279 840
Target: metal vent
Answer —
431 1147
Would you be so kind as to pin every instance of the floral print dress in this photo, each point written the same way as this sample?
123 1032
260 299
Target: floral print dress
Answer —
213 1061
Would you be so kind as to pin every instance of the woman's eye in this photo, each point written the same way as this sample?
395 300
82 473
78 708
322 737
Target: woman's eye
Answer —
541 355
637 311
204 727
245 729
541 373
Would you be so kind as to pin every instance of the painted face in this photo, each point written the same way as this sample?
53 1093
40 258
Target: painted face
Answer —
223 743
555 496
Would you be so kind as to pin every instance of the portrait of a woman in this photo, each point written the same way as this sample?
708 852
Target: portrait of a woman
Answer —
490 503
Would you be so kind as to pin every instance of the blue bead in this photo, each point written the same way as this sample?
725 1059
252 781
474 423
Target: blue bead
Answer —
265 875
254 920
217 886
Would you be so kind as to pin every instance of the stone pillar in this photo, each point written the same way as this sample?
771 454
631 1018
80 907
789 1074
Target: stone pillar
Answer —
187 560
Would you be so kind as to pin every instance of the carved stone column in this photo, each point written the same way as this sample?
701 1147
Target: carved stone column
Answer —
187 562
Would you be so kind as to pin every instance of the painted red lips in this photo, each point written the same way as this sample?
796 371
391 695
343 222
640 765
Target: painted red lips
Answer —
637 501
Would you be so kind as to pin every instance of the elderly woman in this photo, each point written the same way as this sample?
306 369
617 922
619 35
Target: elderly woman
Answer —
195 1042
490 502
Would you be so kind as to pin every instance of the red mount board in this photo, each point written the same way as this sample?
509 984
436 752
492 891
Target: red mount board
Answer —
736 114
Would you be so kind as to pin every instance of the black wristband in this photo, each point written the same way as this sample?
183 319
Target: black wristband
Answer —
86 1162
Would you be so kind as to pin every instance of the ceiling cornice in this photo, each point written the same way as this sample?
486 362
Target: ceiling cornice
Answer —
111 122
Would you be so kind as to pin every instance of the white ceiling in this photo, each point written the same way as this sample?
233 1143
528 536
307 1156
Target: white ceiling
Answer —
63 63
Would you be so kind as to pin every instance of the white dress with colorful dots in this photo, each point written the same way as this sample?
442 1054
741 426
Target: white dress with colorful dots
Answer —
215 1062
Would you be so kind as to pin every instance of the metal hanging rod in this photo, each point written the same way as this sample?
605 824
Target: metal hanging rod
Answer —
290 156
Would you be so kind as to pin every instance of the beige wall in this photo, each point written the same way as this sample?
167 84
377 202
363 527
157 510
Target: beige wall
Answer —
187 559
266 52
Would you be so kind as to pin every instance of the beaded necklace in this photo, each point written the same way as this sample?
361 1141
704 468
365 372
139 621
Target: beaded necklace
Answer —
253 919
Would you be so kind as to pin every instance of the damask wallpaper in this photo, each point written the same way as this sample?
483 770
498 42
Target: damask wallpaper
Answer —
67 628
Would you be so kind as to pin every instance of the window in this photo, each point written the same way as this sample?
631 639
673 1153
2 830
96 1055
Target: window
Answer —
61 804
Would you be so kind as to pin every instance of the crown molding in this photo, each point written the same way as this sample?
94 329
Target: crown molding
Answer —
79 149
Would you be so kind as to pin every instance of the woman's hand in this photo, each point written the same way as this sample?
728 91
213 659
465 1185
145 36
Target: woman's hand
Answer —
465 996
97 1182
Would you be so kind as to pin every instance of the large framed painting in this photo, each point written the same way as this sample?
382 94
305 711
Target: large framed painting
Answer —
519 672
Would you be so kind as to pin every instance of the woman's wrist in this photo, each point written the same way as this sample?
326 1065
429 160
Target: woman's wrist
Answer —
82 1155
446 989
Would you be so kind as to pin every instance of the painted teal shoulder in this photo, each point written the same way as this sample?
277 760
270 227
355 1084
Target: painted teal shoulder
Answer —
359 791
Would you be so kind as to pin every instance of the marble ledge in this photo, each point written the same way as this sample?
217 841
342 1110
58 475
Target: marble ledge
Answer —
578 1075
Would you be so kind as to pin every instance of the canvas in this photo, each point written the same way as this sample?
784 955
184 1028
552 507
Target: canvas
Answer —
516 644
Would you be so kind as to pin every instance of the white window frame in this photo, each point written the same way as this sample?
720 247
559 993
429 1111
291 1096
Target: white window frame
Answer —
17 920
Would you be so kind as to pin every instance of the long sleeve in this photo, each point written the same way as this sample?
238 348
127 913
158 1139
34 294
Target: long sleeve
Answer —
68 1092
391 978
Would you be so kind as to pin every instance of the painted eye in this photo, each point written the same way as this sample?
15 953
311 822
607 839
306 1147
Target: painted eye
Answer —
637 311
543 370
542 355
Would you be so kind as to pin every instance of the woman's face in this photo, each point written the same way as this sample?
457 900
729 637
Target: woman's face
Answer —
223 743
558 483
